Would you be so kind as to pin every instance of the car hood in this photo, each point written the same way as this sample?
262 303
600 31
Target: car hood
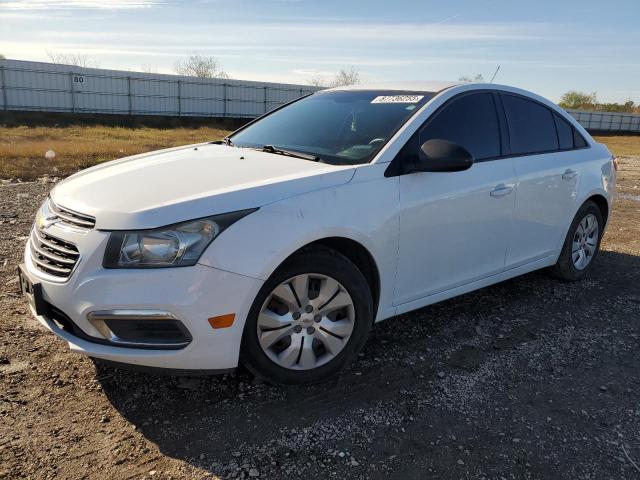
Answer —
173 185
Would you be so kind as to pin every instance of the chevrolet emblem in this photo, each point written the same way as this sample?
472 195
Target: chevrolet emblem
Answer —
44 222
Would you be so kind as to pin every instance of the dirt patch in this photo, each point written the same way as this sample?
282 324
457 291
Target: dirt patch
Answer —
530 378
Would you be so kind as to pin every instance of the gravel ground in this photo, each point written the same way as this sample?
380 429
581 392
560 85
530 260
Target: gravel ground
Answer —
530 378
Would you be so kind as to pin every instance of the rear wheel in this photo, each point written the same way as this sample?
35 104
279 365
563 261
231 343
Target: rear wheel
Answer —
581 245
309 319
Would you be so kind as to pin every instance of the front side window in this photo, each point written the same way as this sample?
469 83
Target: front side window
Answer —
338 127
470 121
531 126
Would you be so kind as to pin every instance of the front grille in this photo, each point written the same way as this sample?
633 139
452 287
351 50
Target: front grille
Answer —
71 218
52 255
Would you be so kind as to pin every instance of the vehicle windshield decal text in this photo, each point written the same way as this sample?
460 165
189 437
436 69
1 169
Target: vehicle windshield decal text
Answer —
397 99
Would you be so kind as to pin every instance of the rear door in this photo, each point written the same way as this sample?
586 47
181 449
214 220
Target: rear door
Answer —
548 174
454 226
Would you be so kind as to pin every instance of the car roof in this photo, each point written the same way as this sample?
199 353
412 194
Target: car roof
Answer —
427 86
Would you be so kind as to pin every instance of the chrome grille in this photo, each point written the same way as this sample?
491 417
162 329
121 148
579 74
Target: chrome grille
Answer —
52 255
71 218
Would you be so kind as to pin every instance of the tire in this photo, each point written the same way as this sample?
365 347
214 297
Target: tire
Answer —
330 335
566 268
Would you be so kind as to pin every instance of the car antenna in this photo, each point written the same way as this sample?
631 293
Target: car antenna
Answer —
494 74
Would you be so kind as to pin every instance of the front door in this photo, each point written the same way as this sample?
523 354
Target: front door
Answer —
455 226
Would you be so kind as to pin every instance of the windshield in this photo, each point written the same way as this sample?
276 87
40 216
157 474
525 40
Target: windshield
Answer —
338 127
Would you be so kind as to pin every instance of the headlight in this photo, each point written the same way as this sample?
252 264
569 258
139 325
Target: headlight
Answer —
178 245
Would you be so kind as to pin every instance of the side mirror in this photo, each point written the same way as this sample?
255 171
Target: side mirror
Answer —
443 156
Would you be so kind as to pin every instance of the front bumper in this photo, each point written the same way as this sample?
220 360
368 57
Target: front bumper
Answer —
191 294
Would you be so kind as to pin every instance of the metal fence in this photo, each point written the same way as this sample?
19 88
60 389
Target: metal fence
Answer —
607 121
50 87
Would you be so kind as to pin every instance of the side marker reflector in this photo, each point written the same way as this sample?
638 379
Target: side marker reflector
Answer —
223 321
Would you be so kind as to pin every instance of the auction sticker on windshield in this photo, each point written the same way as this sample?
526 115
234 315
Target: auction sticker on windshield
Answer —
397 99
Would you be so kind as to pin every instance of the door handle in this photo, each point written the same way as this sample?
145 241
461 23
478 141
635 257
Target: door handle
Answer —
569 174
501 190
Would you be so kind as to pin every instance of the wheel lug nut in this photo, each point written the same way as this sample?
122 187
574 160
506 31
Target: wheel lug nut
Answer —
310 330
308 309
317 318
296 315
297 329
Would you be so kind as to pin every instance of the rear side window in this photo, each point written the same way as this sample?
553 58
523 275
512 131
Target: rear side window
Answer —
470 121
531 126
565 133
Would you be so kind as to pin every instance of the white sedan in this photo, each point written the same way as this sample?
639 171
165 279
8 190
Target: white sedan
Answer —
280 246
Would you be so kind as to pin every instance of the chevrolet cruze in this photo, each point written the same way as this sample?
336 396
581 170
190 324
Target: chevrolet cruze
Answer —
280 246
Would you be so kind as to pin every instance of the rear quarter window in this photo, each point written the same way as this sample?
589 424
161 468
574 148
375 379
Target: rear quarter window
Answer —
578 140
565 133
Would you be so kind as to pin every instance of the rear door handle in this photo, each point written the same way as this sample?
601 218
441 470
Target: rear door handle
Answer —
569 174
501 190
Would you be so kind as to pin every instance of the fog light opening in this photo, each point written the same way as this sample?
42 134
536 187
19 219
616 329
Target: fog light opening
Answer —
146 329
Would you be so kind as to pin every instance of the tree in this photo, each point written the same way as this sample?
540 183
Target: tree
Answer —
341 78
575 99
477 79
200 66
346 77
627 107
75 59
2 57
317 81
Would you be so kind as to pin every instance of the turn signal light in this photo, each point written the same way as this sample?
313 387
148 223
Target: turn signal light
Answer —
222 321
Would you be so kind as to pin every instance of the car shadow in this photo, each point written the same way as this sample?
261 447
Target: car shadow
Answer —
213 422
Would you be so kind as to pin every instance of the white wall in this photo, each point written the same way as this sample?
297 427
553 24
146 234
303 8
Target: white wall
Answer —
607 121
64 88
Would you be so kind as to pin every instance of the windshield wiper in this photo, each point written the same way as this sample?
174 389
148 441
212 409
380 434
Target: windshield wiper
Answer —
225 141
290 153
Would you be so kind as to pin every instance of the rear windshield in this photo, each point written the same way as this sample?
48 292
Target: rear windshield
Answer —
339 127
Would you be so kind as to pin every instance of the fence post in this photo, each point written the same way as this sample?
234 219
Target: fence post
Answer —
73 93
265 98
179 98
129 95
224 100
4 88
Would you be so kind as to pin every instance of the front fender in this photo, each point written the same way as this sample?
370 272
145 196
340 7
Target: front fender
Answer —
256 245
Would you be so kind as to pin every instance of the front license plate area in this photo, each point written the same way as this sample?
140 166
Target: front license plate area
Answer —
31 291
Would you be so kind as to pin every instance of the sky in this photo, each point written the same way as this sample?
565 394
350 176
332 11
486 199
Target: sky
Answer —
546 46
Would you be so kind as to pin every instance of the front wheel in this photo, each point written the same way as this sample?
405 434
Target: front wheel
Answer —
581 245
309 319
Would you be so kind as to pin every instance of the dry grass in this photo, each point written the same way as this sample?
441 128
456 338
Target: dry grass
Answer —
22 149
621 145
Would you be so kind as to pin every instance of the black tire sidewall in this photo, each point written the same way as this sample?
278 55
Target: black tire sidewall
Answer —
326 262
564 267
